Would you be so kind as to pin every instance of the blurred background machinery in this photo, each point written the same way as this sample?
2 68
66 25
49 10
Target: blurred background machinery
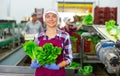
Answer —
108 52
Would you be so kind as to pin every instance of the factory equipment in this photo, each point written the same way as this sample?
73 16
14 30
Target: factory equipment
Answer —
108 52
7 34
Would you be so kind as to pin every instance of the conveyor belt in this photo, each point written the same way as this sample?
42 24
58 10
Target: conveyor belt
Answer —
14 58
102 30
16 71
27 71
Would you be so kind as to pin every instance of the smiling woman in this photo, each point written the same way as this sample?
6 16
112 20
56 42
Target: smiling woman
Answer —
57 38
51 19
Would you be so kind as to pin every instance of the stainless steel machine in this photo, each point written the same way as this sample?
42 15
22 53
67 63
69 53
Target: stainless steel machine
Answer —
108 52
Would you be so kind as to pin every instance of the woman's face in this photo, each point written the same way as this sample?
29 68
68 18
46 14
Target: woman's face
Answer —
51 19
69 22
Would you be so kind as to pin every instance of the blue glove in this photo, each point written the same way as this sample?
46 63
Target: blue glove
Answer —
34 64
52 66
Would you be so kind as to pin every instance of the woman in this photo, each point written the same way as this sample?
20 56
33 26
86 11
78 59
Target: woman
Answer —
72 30
69 27
58 38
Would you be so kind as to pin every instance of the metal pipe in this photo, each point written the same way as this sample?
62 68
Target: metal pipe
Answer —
8 7
63 6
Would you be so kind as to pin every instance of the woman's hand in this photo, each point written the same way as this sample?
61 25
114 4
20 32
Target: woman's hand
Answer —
35 64
56 66
78 27
52 66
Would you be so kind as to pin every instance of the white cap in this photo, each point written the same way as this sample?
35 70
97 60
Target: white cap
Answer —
51 10
68 18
